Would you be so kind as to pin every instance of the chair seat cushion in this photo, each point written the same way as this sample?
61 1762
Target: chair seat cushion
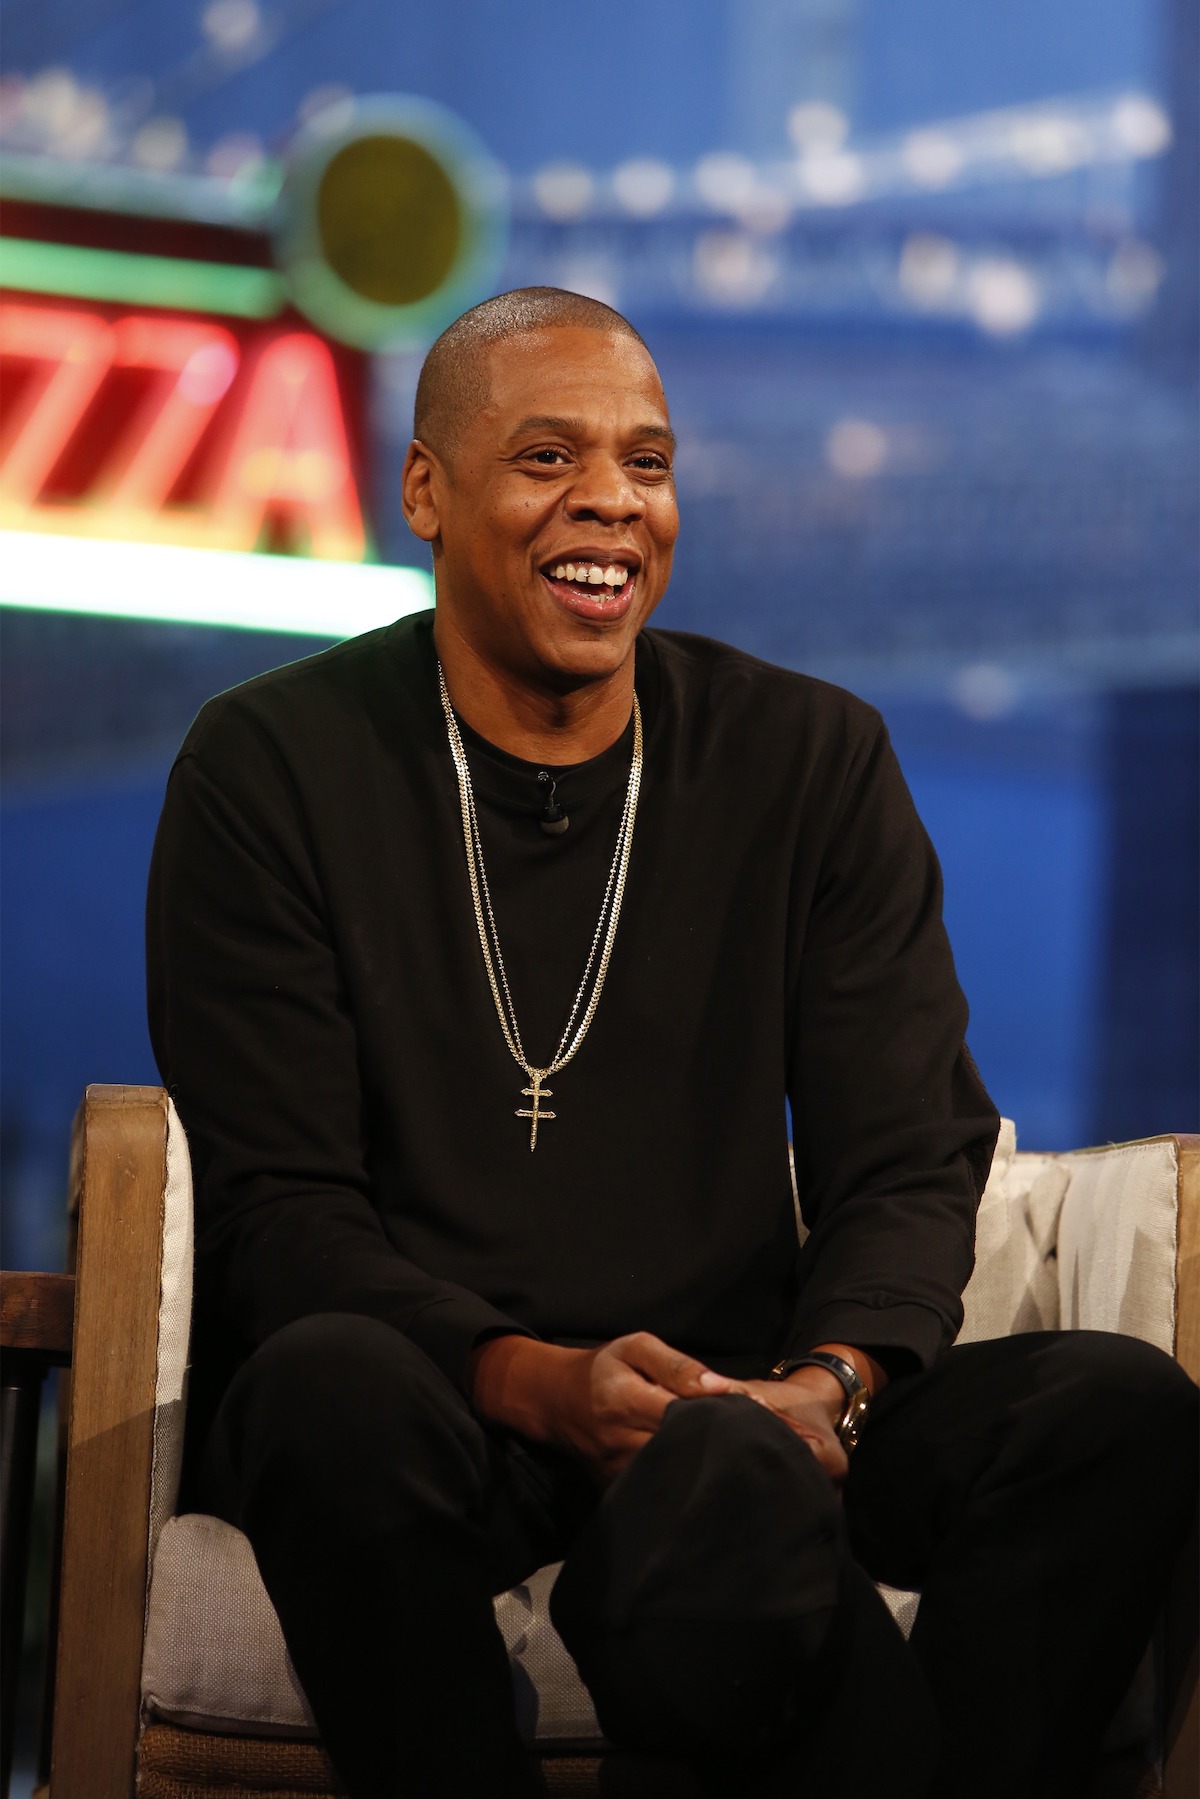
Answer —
215 1658
214 1654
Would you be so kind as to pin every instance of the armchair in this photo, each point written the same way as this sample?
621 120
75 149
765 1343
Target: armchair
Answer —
171 1672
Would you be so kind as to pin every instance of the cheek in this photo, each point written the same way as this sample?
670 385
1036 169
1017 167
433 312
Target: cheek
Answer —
666 524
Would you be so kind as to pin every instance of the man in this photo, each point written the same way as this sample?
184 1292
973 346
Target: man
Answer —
483 956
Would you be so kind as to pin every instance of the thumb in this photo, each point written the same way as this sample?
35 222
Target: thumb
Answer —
679 1373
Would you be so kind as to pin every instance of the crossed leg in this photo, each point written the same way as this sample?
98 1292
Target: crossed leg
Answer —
1036 1490
715 1597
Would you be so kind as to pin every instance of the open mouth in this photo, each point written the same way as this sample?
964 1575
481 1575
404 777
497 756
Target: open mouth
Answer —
592 589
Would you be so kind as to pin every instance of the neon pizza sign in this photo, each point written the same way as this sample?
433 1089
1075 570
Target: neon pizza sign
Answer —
174 430
184 368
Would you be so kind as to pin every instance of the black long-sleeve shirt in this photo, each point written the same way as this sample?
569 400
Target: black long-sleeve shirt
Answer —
319 1009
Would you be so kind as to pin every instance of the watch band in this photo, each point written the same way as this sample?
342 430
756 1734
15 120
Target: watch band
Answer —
858 1397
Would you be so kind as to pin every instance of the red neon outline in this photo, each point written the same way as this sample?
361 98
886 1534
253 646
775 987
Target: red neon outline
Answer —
165 429
289 453
79 346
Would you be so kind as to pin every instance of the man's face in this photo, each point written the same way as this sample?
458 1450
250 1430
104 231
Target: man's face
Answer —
556 517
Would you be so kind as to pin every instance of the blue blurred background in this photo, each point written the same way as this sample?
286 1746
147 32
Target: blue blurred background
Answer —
921 280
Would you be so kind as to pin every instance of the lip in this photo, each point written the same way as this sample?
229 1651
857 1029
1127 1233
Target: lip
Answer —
581 602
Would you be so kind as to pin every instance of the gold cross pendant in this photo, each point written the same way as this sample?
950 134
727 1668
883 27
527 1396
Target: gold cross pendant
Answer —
537 1093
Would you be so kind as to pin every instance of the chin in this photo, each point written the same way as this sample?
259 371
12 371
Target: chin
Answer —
593 659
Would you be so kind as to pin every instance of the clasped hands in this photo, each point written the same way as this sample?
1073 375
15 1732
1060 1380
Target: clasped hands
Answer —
601 1405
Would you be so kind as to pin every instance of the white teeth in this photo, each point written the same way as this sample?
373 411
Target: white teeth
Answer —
591 574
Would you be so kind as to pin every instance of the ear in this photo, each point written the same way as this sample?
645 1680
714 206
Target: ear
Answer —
419 488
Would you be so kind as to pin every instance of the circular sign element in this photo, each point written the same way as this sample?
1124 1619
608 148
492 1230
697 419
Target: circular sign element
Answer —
392 221
388 219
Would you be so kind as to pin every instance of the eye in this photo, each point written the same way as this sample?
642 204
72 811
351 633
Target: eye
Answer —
652 462
546 457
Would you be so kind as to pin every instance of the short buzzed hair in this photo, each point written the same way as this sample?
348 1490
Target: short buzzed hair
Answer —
453 385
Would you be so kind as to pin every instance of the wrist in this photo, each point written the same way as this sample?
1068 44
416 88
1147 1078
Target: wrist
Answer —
823 1388
873 1375
853 1372
514 1382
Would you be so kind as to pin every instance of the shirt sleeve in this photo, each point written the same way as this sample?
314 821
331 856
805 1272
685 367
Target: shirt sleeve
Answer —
893 1130
255 1039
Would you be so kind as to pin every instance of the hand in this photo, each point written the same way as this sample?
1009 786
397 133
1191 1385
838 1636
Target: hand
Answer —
811 1401
600 1405
805 1406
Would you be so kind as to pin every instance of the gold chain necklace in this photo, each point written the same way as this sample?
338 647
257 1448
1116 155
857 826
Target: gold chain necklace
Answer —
489 938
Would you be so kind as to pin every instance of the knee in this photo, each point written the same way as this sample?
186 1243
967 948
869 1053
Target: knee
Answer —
328 1370
1102 1372
733 1442
329 1402
704 1581
1129 1401
751 1525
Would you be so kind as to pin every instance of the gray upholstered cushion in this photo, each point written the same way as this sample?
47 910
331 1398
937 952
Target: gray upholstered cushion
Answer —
215 1655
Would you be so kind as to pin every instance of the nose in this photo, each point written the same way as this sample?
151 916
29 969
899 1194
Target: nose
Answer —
603 490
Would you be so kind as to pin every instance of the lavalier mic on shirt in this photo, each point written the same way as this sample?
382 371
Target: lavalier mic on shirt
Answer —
554 820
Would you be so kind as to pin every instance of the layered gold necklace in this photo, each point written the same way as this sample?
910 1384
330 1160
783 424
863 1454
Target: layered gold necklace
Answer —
587 996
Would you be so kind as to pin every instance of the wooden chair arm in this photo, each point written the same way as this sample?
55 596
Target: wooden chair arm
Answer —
118 1178
37 1313
1187 1257
1181 1651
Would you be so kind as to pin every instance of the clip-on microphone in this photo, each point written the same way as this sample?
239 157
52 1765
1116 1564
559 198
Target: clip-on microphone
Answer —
554 820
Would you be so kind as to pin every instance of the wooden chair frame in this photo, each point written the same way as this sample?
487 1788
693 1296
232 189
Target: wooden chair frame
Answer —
117 1187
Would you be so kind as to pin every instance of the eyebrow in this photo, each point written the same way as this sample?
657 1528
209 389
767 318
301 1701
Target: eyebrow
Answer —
543 421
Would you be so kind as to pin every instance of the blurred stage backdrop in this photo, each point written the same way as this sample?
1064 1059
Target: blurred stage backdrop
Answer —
921 280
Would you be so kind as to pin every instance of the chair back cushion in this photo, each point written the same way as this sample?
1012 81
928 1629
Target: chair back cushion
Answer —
174 1330
1117 1241
1015 1283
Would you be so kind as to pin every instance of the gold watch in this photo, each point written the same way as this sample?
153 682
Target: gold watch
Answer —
858 1397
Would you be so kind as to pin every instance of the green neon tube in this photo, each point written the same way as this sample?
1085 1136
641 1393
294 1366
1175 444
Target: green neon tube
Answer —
174 281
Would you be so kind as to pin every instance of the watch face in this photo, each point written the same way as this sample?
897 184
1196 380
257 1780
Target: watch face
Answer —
852 1417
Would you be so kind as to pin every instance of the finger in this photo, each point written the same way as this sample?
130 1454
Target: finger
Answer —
837 1468
821 1438
828 1451
634 1402
680 1374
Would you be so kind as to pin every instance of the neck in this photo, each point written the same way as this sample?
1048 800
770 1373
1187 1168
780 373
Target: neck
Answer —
539 723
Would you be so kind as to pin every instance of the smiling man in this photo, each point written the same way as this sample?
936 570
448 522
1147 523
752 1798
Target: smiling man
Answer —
484 954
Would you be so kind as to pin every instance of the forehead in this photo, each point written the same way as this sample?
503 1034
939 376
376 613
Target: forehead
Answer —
571 369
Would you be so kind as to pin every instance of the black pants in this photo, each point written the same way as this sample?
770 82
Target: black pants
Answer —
716 1598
